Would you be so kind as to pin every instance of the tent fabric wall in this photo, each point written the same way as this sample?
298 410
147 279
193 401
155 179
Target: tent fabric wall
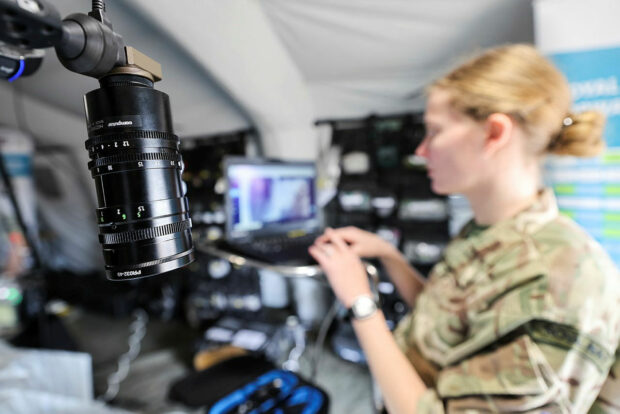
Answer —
66 209
288 64
236 43
280 65
570 25
199 106
375 57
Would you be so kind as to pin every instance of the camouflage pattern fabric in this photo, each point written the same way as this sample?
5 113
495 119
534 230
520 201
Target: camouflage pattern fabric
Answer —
523 316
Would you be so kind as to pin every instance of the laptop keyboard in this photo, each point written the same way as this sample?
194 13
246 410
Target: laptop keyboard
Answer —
278 249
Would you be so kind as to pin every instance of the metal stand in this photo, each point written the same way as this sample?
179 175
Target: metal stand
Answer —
290 271
310 271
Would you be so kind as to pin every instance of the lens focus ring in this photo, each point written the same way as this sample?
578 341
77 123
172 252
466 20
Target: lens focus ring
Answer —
144 234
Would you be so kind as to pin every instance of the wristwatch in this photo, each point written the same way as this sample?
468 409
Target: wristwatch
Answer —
363 307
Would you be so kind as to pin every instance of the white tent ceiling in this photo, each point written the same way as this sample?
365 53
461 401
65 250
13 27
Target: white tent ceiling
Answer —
276 65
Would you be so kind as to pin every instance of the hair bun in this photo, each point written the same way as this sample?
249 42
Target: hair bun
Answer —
581 135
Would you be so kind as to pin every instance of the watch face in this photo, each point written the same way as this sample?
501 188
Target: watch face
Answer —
363 307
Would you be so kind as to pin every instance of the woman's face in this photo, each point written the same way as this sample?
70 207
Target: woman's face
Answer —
453 146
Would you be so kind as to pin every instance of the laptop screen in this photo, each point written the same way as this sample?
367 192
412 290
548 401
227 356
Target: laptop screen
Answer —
270 197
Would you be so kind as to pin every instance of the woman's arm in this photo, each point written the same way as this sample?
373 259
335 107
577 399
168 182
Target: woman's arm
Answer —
400 384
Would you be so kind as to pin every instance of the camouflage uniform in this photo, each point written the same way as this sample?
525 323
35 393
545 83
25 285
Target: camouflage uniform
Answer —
522 316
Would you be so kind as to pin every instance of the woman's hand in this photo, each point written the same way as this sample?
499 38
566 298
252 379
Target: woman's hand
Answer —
361 242
342 266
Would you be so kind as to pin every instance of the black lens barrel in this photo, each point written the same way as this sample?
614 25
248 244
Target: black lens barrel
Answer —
143 215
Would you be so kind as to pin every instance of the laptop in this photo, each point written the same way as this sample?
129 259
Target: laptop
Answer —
272 213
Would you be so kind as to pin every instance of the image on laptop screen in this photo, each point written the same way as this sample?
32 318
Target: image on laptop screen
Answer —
270 197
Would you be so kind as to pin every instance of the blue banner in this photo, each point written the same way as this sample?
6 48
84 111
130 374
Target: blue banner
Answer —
588 190
18 165
593 76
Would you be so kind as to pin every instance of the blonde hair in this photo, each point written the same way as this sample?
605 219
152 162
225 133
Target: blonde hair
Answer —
518 81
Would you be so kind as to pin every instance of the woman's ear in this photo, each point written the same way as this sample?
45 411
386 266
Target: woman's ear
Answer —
499 128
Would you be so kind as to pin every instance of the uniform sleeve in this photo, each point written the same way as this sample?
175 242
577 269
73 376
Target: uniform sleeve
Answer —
529 327
555 342
549 368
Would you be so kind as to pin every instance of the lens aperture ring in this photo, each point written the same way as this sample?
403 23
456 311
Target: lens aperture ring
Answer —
135 157
144 234
125 135
141 144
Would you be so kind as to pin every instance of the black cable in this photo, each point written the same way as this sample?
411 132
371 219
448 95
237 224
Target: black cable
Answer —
43 327
18 109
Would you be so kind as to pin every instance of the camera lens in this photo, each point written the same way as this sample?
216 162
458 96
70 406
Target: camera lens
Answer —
142 214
